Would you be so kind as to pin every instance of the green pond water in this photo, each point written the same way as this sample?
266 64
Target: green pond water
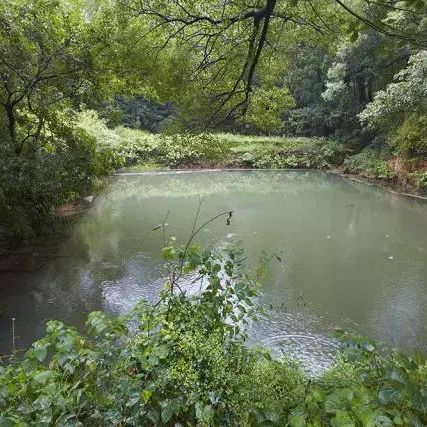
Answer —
352 256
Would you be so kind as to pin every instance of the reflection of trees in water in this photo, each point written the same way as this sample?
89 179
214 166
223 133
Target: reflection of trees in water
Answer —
314 206
189 184
336 236
119 224
392 199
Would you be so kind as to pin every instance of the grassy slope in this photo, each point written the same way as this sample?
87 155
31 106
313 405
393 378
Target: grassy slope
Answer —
240 144
250 151
145 151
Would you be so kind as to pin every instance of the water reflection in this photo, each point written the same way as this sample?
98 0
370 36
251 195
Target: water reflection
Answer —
351 256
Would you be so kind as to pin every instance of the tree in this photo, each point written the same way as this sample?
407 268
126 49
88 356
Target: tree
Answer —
359 69
52 55
228 48
398 113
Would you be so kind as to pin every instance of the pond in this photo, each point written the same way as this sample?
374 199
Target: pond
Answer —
348 255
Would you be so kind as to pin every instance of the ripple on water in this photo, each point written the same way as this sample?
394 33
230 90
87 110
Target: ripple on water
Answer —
298 336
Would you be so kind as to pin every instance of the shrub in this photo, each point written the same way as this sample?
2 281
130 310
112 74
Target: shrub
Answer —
192 150
293 153
370 163
124 147
368 386
182 362
410 139
32 186
136 146
420 178
116 147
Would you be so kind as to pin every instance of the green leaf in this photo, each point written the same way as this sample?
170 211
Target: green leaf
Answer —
335 402
319 395
40 351
204 413
387 396
383 421
297 421
97 323
169 409
216 268
169 253
146 395
342 419
43 377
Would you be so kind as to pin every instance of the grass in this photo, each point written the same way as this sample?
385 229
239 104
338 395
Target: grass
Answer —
145 167
248 143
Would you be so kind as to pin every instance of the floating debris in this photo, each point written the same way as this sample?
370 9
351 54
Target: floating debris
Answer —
157 227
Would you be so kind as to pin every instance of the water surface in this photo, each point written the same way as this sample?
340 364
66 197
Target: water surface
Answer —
351 256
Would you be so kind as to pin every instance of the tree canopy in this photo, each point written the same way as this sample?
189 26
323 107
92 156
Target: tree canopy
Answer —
213 56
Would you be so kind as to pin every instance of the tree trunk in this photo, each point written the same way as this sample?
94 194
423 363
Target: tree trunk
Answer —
12 125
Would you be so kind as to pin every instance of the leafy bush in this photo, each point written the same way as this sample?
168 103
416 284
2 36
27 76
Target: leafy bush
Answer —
124 146
192 150
32 186
420 178
303 153
136 146
117 147
370 163
183 361
410 139
369 386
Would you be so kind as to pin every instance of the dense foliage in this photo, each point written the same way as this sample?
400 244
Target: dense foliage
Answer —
371 163
399 112
128 147
32 186
51 58
184 361
138 113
